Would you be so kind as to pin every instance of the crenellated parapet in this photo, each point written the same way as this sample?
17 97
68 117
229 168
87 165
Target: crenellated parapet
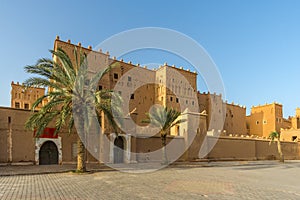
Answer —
113 58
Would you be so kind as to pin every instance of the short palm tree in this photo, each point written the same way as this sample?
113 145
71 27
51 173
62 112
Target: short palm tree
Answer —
164 119
71 99
275 135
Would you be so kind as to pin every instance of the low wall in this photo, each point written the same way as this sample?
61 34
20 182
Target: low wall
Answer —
149 149
16 144
228 148
3 146
68 140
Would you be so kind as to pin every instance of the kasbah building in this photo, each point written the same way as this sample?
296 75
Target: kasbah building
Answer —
236 136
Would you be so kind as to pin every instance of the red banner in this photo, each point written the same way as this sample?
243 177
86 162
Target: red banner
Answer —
48 133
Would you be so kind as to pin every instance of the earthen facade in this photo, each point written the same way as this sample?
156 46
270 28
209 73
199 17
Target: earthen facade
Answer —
143 88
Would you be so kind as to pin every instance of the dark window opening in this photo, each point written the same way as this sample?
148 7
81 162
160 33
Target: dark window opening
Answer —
171 98
17 105
177 100
26 106
129 78
132 96
294 138
100 87
116 76
9 119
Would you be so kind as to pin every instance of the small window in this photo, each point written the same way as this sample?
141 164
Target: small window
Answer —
132 96
177 100
265 122
193 103
294 138
129 78
17 105
257 122
186 102
171 98
100 87
116 76
26 106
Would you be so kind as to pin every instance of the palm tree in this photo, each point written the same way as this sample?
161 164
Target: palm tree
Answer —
71 96
164 119
275 135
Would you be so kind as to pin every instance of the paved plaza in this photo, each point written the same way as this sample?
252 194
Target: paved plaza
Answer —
227 180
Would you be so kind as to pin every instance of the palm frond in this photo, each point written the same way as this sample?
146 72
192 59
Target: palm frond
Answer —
163 118
274 135
69 93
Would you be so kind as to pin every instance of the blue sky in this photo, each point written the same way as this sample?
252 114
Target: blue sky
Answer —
255 44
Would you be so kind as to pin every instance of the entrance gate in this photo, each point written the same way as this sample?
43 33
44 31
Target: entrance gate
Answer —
119 150
48 154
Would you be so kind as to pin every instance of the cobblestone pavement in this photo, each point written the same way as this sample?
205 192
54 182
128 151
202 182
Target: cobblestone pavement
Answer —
243 181
10 170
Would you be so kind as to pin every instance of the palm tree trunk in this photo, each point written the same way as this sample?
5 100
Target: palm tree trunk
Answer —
81 164
81 155
281 157
164 152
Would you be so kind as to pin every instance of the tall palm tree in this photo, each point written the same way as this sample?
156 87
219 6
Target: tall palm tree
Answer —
275 135
71 99
164 119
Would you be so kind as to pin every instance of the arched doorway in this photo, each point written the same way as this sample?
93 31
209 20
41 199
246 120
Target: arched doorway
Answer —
48 154
119 150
